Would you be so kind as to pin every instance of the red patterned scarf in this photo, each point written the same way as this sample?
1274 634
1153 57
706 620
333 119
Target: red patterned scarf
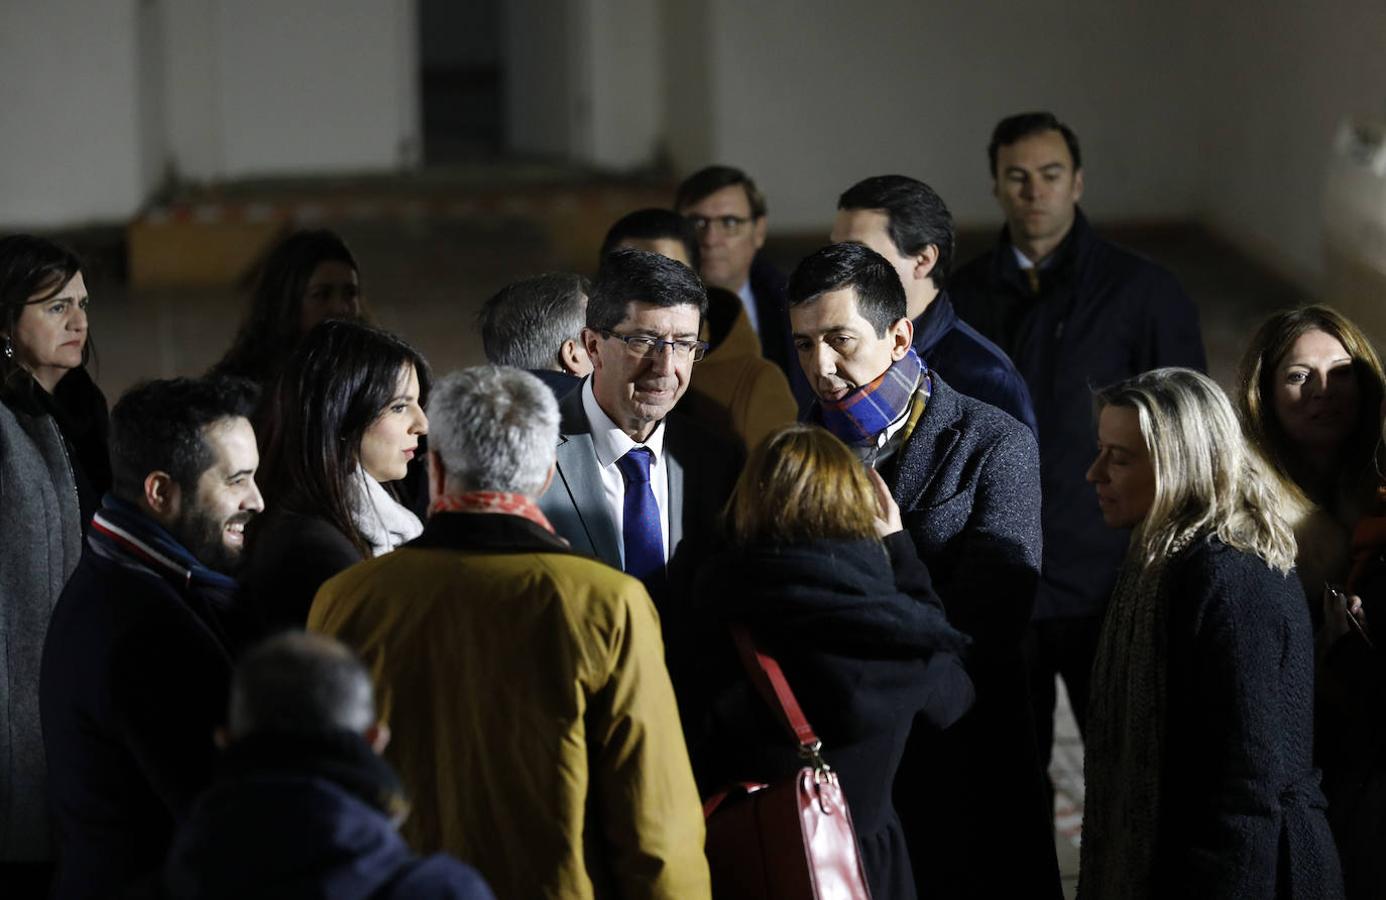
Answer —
492 502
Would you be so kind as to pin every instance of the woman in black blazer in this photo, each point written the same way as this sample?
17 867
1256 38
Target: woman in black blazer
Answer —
830 585
1198 752
344 420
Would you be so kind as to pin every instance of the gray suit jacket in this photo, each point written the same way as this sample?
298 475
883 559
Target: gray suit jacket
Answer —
702 471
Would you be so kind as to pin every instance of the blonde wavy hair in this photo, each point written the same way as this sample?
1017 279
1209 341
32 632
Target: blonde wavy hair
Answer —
1207 480
801 484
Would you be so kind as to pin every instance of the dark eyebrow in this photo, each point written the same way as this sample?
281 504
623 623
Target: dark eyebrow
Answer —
246 472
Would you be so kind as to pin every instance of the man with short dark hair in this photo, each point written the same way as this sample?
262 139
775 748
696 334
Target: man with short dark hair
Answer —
907 223
728 211
303 805
635 480
661 231
138 655
739 394
1075 313
535 324
964 476
534 720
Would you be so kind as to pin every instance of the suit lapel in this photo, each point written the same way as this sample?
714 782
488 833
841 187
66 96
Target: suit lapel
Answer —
928 446
580 511
674 456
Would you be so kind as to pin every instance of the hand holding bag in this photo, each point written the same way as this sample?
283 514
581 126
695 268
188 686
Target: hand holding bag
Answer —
792 840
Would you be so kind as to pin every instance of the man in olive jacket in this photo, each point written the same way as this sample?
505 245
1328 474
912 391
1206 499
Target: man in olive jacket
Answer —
534 724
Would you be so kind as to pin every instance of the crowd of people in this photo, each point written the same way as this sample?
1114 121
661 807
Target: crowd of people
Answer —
320 623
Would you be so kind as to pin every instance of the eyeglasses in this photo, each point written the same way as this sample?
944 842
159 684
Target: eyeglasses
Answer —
640 346
729 225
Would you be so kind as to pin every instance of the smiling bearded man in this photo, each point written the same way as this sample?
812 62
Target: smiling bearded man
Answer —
137 663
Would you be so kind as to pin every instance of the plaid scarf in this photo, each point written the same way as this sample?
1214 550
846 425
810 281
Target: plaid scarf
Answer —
865 412
492 502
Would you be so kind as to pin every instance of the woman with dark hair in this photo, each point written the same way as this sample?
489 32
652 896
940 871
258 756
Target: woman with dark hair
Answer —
1198 752
53 471
309 277
829 584
345 418
1310 385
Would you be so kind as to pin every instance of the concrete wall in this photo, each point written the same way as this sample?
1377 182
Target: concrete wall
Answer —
70 128
1278 79
810 96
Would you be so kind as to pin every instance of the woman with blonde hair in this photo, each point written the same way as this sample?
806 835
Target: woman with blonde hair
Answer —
1309 388
1198 765
827 582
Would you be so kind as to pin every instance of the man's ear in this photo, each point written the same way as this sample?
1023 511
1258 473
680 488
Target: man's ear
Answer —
378 736
1077 185
161 494
901 336
548 480
437 476
591 342
758 229
924 262
221 736
572 356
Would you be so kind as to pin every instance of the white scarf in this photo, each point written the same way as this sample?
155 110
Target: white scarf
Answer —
380 519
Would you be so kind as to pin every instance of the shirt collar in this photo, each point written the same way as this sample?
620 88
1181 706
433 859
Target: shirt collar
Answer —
608 440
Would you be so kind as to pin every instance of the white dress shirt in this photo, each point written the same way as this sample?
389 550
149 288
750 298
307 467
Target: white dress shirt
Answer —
611 443
748 303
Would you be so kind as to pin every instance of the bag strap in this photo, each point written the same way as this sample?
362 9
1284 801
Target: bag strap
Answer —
769 680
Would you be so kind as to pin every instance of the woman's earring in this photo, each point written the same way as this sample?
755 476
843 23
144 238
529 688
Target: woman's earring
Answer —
9 348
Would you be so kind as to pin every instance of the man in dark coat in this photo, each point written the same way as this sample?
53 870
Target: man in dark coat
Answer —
964 476
728 211
535 324
303 805
907 223
138 655
1075 313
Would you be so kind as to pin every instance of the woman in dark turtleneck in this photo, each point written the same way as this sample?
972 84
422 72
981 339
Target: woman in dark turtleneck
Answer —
828 584
53 470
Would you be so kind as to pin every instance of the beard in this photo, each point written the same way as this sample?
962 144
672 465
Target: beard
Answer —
204 536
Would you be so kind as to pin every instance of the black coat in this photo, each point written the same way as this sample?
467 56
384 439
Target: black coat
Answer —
135 677
289 557
967 484
1242 815
1350 738
768 286
971 363
864 649
301 818
1103 314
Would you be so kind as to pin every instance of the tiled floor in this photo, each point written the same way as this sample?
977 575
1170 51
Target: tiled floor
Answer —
426 279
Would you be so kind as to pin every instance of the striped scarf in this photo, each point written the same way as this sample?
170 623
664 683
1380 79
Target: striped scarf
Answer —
121 532
865 412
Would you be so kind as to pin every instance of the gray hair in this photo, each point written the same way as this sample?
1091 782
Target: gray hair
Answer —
300 683
496 429
1207 477
526 322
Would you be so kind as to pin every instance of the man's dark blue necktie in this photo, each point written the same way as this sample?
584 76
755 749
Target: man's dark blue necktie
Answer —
641 529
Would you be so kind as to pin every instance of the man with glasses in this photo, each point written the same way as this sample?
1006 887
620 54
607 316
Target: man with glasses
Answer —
728 212
637 485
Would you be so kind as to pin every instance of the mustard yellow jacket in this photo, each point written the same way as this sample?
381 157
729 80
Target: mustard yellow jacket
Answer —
534 724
